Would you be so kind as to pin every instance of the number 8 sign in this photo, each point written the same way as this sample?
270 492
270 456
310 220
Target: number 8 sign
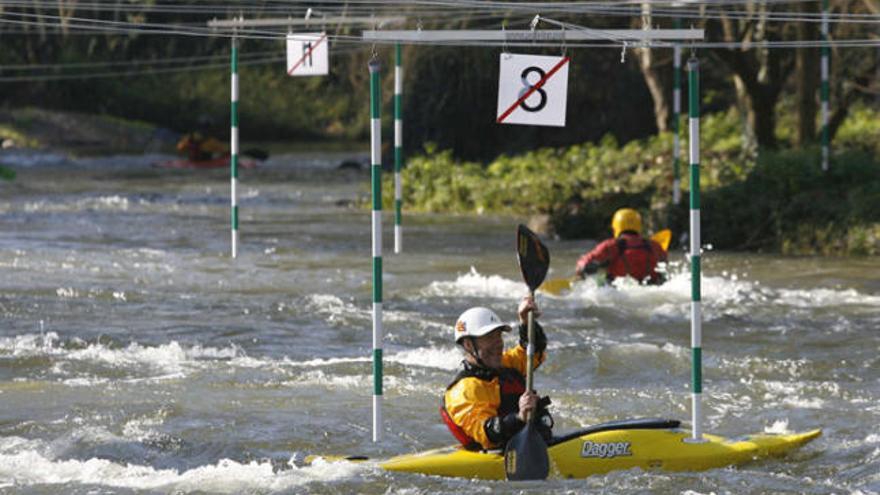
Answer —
532 90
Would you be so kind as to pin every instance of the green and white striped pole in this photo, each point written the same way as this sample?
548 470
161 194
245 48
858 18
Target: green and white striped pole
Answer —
398 150
233 148
676 120
376 159
825 87
696 310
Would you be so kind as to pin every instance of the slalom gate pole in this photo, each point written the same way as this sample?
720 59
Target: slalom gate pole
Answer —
398 149
825 88
696 309
676 120
376 176
233 149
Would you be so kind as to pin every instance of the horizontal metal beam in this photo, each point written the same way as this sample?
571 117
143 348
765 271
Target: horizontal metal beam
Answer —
536 35
312 21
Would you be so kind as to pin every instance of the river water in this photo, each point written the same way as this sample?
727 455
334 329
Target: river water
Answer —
137 357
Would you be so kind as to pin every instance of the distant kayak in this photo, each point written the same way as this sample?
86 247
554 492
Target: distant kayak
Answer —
220 162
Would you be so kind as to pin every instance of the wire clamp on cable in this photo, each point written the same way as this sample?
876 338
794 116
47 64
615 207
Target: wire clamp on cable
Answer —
563 44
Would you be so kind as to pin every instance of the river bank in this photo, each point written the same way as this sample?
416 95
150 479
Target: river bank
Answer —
776 201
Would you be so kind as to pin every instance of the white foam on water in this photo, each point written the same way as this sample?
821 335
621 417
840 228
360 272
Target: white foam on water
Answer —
473 284
173 361
167 358
721 295
445 358
26 462
335 309
795 394
828 298
85 381
99 203
67 293
250 193
170 360
754 366
29 344
144 427
643 352
779 427
320 379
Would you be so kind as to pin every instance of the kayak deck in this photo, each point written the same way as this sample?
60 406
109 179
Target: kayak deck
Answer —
212 163
652 445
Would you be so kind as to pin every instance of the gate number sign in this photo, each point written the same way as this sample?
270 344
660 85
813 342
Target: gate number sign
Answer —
532 90
307 54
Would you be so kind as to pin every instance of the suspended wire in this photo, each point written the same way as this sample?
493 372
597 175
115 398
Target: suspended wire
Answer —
472 10
118 63
161 70
858 43
465 7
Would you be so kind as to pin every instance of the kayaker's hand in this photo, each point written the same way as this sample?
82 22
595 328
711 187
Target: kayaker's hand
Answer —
590 268
527 304
528 402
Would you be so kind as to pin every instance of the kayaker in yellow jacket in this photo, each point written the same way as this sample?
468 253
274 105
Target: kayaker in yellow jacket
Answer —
487 403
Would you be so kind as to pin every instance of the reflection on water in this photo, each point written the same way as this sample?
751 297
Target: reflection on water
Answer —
163 365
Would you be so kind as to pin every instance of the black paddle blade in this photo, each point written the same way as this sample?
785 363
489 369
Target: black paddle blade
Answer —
525 456
256 153
534 258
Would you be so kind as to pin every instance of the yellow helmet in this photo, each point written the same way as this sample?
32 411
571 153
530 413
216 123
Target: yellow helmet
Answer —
626 219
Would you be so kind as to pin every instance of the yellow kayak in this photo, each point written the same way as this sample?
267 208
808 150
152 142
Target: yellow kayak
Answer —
649 444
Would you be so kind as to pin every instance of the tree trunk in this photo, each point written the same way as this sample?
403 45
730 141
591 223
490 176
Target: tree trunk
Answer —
655 86
746 111
764 117
863 81
759 75
649 68
807 79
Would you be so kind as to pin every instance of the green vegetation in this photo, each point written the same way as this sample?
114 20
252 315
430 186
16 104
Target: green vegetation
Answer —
6 174
18 137
788 203
778 200
30 127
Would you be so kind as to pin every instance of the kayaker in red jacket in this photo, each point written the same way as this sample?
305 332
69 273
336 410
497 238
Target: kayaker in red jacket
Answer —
487 403
199 148
627 254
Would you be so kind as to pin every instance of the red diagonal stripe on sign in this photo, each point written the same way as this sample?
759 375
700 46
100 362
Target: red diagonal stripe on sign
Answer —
306 54
532 89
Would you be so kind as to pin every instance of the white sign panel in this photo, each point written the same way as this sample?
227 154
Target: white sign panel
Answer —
532 90
308 54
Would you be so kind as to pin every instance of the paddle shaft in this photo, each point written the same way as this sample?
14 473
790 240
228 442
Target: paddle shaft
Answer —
525 455
530 353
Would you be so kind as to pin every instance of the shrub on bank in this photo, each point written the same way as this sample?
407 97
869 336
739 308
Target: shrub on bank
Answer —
788 204
778 201
579 186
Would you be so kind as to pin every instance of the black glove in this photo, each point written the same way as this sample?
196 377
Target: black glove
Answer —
500 429
591 268
540 337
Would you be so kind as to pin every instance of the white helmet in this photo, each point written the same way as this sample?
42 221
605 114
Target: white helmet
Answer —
477 322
